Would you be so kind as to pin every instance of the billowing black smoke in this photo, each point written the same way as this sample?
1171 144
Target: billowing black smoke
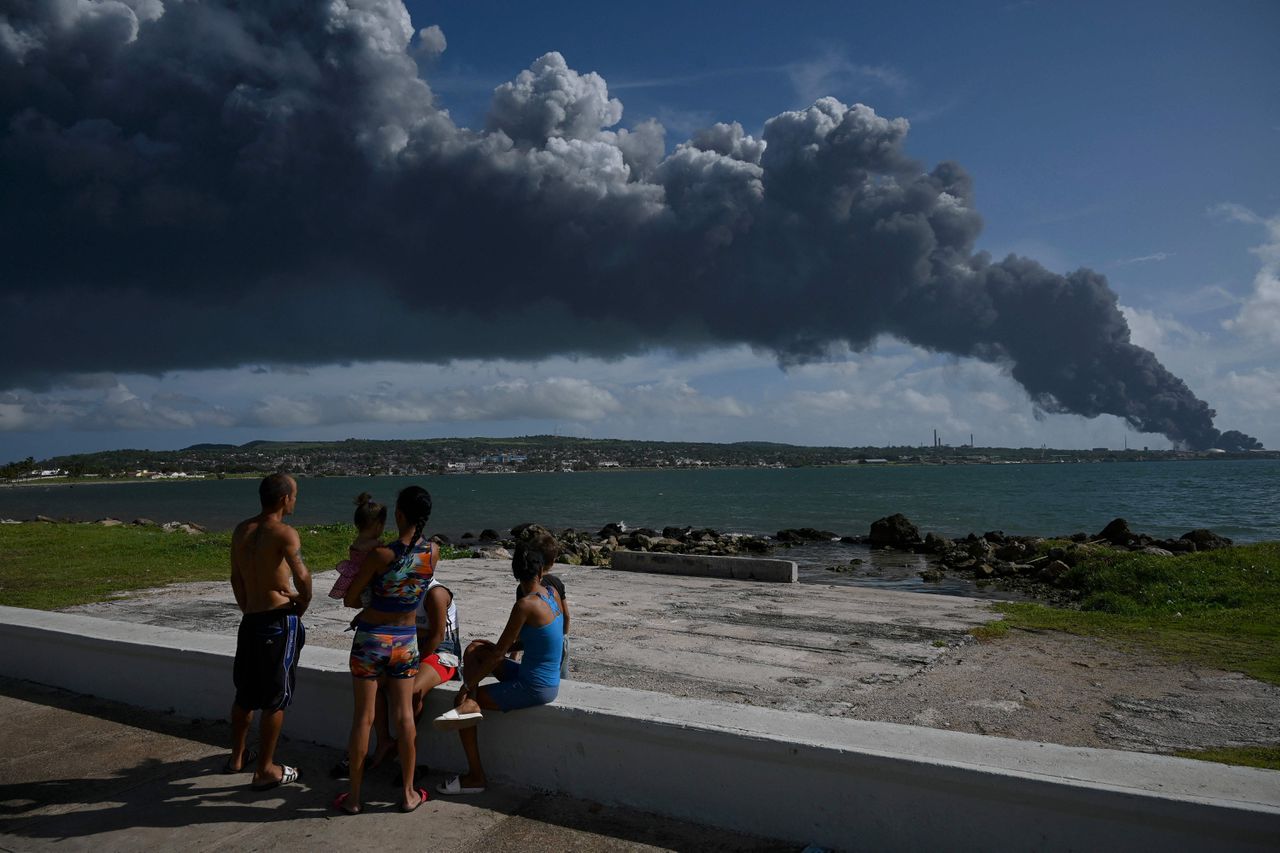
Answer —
211 184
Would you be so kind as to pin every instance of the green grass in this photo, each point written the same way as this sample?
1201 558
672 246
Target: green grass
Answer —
1266 757
1220 608
48 566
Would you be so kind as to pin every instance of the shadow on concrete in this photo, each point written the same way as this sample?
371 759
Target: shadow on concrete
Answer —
211 732
148 769
103 775
544 823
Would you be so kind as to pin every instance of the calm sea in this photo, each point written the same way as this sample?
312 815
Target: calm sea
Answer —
1239 499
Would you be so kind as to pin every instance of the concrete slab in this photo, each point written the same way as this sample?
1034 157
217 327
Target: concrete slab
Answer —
802 647
86 774
707 566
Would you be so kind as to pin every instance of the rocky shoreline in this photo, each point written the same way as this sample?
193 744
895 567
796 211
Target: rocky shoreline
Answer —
1037 567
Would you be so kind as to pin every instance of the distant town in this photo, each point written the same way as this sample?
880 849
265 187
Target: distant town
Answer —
360 457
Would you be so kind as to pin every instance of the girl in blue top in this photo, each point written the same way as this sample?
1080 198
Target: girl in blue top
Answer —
537 620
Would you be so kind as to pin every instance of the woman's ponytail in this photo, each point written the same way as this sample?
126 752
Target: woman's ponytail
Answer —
414 503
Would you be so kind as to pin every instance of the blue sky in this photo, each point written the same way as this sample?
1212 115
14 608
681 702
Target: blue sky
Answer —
1137 139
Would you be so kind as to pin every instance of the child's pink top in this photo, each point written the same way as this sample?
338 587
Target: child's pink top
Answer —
347 570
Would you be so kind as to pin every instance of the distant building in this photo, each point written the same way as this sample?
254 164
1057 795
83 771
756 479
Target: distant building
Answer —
505 458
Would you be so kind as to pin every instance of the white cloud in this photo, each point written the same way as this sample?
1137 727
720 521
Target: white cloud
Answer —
15 416
1259 316
93 406
1157 332
518 399
562 399
1210 297
684 122
1146 259
834 402
431 42
925 404
834 74
1256 390
680 399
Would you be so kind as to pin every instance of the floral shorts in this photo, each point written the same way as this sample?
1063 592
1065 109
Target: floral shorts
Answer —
390 650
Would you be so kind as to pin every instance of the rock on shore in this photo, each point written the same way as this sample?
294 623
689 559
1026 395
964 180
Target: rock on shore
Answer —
1031 559
1038 566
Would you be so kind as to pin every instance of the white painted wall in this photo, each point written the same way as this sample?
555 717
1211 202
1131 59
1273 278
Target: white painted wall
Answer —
846 784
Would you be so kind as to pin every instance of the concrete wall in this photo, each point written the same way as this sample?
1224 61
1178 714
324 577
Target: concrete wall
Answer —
740 568
846 784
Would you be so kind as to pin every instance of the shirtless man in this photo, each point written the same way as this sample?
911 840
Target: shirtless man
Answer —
265 555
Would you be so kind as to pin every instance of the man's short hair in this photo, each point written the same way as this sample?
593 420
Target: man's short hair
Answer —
274 488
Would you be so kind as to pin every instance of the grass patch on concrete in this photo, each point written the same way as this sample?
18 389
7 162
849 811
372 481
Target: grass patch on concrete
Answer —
1265 757
1220 608
990 630
49 566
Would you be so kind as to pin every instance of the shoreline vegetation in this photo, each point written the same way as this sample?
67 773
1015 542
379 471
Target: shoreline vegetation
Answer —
421 457
1213 603
49 566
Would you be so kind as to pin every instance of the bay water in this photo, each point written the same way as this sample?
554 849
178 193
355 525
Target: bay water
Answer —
1239 499
1235 498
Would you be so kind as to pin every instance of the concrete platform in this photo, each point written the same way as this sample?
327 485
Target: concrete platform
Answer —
78 773
796 647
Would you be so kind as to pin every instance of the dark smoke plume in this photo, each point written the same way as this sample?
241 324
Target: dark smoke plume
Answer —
194 185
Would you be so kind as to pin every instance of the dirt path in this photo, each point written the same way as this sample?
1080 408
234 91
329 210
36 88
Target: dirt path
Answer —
830 650
1081 691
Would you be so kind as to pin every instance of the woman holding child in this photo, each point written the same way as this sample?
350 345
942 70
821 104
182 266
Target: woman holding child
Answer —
386 645
537 620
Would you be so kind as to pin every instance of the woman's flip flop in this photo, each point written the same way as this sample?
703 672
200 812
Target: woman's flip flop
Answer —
451 720
340 803
422 798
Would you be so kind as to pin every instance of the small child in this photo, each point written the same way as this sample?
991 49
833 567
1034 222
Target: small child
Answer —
370 520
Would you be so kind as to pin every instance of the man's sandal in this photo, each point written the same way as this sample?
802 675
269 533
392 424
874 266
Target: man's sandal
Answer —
453 787
288 775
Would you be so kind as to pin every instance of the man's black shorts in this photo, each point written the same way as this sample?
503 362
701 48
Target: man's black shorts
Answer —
267 649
